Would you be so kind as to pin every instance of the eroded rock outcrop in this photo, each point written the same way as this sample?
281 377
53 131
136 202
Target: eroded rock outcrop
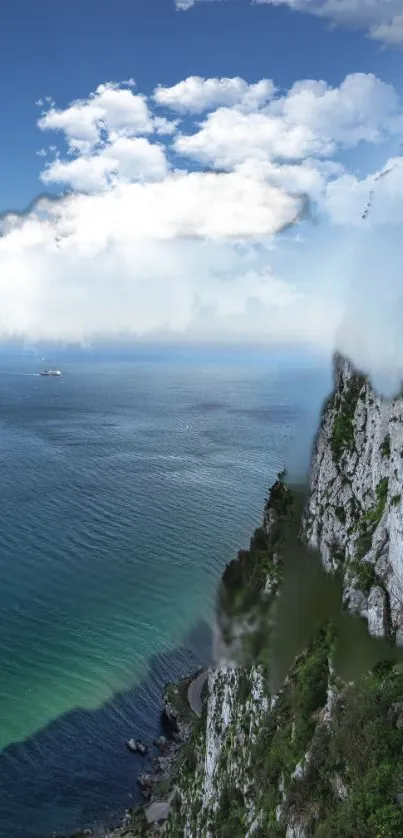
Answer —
355 510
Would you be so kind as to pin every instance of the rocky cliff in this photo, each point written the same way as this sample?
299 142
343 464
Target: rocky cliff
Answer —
313 757
355 510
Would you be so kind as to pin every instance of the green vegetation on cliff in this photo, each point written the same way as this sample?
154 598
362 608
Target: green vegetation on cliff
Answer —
245 577
345 404
288 728
385 446
364 571
353 783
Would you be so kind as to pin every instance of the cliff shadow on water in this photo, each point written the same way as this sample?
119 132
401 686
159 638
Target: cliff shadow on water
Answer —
77 772
308 597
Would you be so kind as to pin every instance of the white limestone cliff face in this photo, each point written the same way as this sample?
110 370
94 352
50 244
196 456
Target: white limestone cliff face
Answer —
238 701
223 752
355 511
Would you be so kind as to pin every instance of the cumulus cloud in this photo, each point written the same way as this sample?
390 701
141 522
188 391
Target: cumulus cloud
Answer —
104 139
362 108
311 119
381 19
165 126
111 109
229 137
195 94
144 244
185 204
122 159
390 31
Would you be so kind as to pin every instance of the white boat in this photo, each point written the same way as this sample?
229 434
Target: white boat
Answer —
50 372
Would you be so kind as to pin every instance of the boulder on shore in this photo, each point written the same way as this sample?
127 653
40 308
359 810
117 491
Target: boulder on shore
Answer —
162 743
131 744
137 747
146 783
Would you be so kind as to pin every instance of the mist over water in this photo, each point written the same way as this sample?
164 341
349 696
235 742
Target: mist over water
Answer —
125 489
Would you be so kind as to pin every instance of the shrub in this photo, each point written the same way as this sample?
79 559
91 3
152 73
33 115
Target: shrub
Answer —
244 578
244 687
364 572
340 513
343 426
385 446
230 813
370 520
361 745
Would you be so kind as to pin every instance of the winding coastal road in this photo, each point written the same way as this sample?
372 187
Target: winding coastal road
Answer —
158 811
195 691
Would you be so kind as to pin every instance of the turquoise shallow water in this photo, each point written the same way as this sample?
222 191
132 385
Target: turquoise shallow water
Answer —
125 487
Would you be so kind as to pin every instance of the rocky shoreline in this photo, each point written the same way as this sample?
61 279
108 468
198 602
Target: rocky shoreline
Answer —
179 721
157 782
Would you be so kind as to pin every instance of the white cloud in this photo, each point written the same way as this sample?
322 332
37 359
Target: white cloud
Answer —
362 108
164 126
195 94
144 248
86 174
119 263
112 109
229 137
147 258
184 5
123 159
311 119
389 32
309 177
209 205
381 19
136 158
102 136
371 15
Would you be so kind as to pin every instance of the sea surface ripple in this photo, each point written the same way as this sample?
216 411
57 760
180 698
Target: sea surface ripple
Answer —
125 487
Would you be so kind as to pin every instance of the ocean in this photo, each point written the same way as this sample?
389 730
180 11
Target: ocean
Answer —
125 487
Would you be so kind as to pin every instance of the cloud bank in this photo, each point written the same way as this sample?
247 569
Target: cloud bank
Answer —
173 210
381 19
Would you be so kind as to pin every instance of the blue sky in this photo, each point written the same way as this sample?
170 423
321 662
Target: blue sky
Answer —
179 186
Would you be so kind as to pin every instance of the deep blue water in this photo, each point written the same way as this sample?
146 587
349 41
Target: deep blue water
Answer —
125 487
